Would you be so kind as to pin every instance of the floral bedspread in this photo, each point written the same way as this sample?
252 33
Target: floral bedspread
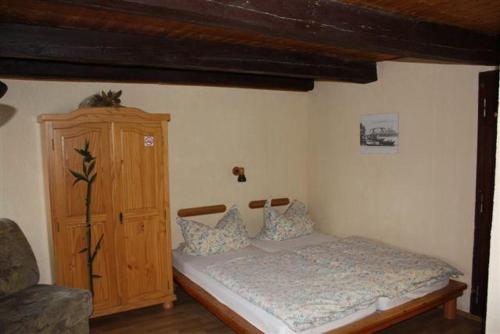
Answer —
300 293
393 270
314 285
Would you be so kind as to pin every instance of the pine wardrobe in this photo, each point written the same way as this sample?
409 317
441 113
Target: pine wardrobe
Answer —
129 207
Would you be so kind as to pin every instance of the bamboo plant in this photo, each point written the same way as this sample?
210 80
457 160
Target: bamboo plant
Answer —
88 176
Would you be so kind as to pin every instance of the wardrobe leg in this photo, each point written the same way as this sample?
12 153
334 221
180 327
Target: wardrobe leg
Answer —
168 305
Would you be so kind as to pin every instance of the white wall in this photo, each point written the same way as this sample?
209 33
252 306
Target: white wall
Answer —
212 130
421 198
493 308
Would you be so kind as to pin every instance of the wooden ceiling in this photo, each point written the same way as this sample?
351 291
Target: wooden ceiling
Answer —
274 44
479 15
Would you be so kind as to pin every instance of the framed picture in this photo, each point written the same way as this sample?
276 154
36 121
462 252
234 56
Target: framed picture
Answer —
379 134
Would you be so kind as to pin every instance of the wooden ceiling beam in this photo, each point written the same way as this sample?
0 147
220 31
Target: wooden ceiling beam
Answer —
321 21
124 49
63 71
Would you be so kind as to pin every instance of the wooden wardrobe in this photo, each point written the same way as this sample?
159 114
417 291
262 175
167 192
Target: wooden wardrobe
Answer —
130 205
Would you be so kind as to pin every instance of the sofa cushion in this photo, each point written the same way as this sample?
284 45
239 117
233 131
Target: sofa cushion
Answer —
18 268
44 309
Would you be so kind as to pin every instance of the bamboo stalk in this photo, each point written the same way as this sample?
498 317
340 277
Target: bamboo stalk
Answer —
90 261
88 165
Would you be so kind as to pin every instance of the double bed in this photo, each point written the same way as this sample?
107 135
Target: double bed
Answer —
236 289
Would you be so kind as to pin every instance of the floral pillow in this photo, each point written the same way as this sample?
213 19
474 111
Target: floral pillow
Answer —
293 223
200 239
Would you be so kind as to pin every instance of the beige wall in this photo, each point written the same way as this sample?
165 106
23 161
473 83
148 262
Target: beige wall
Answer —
493 308
212 130
421 198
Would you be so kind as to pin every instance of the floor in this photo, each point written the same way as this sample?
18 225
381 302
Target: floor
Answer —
188 316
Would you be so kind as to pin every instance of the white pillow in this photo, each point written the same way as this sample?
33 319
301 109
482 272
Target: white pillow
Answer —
293 223
200 239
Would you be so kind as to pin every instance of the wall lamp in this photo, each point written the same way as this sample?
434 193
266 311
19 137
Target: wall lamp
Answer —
3 89
240 172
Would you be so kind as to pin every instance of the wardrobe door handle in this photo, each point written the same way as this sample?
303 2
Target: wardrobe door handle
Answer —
120 216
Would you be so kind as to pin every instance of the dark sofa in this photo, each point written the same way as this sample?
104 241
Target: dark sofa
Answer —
29 307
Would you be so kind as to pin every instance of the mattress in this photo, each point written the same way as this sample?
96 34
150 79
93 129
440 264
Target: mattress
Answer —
193 267
385 303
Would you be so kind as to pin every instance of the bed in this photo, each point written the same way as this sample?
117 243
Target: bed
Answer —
200 276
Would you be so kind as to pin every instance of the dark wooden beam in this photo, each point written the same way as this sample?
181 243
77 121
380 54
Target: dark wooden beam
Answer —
325 22
49 70
112 48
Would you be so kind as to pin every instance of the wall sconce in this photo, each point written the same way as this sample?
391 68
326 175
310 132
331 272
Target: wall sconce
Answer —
3 89
240 172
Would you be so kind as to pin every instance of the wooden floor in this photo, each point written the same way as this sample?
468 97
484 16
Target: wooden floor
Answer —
188 316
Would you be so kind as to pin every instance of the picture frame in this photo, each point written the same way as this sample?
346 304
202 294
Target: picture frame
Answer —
379 133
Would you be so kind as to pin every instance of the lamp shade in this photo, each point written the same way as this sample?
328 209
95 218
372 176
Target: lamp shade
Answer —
3 89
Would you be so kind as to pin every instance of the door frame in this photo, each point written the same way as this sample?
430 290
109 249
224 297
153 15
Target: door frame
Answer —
485 181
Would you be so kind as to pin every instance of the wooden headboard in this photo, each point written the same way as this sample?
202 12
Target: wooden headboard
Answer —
201 210
219 208
274 202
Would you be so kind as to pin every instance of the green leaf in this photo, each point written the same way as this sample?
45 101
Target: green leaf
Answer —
78 180
96 248
91 167
82 250
77 175
78 151
98 245
84 168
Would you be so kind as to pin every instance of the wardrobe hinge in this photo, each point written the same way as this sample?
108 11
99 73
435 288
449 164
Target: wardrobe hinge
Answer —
481 201
476 294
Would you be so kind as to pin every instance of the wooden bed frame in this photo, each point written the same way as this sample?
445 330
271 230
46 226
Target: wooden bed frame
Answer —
446 296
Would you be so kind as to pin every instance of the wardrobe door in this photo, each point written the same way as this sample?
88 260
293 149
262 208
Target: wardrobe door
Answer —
141 202
68 210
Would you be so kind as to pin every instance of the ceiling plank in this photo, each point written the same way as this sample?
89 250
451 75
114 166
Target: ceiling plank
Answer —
46 13
62 71
479 15
322 21
101 47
